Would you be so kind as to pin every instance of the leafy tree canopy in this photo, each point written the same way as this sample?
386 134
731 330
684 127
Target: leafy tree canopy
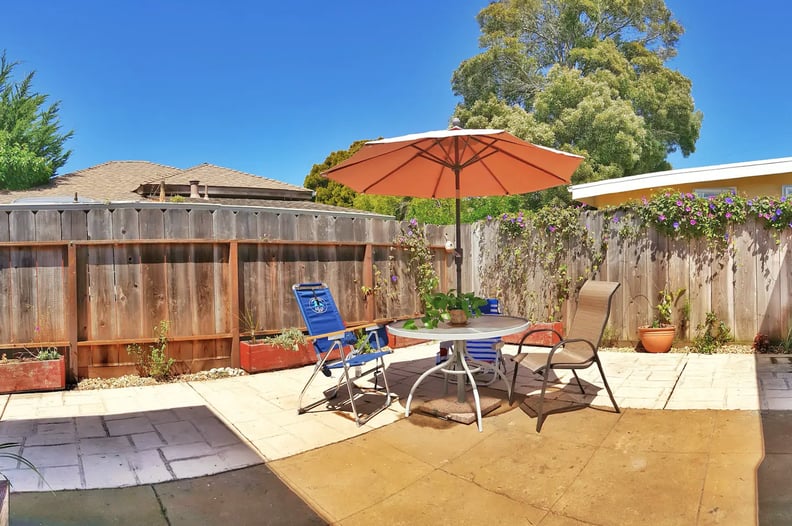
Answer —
584 76
327 190
31 145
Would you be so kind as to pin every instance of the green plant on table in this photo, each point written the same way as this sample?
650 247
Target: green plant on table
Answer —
155 363
438 305
288 339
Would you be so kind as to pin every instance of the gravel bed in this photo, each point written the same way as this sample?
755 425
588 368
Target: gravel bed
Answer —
726 349
133 380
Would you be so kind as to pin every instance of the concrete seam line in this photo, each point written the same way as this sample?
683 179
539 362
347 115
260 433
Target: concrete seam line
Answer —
675 384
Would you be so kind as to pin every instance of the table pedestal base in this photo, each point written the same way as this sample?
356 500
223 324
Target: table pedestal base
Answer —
449 408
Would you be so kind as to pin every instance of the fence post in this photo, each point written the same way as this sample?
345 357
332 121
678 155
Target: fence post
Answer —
233 275
72 321
368 281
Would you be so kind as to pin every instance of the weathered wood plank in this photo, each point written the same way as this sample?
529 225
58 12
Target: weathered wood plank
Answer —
101 320
128 276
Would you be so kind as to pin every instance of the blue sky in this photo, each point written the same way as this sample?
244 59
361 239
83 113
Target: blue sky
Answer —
271 88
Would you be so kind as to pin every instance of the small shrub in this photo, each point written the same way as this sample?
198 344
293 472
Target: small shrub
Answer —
761 343
711 335
287 339
785 345
155 363
48 353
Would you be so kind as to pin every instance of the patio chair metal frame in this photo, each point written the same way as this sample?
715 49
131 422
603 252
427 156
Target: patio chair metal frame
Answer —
578 350
353 352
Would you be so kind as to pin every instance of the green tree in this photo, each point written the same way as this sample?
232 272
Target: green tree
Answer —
584 76
31 145
328 191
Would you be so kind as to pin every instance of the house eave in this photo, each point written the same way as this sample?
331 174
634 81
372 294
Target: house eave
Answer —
671 178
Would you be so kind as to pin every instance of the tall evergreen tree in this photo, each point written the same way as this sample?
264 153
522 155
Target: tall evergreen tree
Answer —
31 144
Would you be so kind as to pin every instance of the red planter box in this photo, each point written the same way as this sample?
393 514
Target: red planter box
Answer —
260 357
540 338
32 375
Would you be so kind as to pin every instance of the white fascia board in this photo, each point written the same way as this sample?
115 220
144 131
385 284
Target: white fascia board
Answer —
671 178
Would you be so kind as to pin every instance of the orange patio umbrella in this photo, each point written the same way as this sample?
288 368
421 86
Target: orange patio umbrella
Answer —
454 163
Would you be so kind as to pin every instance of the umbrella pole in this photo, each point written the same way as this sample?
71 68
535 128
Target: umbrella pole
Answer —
458 249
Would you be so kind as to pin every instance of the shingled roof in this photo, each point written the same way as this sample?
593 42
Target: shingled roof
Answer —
121 181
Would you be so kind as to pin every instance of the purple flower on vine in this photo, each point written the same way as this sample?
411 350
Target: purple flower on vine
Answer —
413 222
615 219
728 215
676 225
778 212
692 221
394 278
729 200
679 203
661 217
551 228
489 218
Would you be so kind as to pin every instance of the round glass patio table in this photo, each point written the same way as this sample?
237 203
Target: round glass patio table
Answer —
457 363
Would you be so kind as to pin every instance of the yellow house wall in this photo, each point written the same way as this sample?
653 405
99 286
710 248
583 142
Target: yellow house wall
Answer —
769 185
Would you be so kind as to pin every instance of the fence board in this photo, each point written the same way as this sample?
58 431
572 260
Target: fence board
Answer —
768 266
129 310
745 281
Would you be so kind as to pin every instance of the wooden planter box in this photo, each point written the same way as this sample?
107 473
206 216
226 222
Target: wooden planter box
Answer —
260 357
541 338
32 375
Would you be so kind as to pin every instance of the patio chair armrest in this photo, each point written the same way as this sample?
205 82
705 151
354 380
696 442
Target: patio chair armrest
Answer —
335 335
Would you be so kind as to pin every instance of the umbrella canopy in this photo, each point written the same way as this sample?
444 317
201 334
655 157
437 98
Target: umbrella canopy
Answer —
454 163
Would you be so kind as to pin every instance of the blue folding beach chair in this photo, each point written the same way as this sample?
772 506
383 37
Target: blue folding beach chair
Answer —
486 351
324 321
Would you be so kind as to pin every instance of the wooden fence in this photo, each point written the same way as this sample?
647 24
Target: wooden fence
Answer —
747 285
91 279
94 279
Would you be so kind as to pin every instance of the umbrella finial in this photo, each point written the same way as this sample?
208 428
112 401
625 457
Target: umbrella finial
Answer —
456 124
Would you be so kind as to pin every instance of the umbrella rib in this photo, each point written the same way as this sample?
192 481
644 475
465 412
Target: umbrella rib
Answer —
478 157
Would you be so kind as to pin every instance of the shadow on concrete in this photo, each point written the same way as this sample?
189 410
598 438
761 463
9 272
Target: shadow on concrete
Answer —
774 497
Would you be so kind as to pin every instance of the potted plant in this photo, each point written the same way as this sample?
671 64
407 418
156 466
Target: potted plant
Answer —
282 351
41 370
659 335
449 307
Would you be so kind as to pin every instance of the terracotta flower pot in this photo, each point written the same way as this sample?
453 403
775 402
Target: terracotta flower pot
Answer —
657 339
458 317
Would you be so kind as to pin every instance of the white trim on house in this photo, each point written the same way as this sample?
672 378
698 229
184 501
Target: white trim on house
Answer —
671 178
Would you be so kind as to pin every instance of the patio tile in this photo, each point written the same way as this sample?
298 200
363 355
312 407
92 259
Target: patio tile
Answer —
322 472
636 487
181 432
677 431
737 432
773 495
107 471
537 472
50 456
105 445
428 500
129 426
729 495
776 428
60 478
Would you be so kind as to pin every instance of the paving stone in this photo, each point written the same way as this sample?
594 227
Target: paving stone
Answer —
107 471
50 456
105 445
181 432
144 441
90 427
215 432
197 467
129 426
181 451
61 478
149 467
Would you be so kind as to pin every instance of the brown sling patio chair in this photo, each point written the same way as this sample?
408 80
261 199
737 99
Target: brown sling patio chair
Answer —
578 350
